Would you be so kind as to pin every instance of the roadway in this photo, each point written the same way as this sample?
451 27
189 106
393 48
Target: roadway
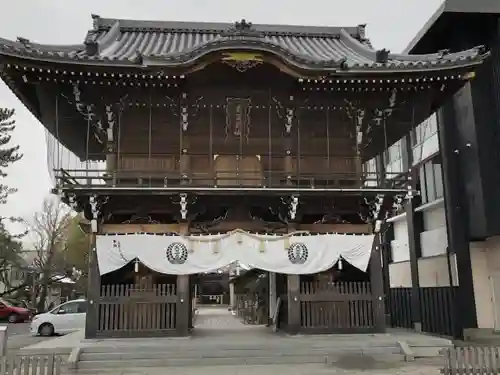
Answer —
19 336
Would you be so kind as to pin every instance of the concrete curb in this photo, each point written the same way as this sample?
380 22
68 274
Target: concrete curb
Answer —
73 358
406 351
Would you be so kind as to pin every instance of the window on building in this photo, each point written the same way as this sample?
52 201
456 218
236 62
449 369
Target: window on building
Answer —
385 157
414 135
423 185
438 176
431 180
393 153
424 130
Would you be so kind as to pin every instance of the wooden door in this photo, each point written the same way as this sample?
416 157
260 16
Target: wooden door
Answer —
235 170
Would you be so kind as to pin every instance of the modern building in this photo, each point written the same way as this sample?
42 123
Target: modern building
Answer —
427 167
455 229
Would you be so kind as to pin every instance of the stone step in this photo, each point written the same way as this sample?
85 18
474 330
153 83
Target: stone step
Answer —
227 353
189 345
92 360
428 351
184 370
200 362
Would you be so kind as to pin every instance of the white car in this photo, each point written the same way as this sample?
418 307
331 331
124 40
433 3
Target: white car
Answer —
65 318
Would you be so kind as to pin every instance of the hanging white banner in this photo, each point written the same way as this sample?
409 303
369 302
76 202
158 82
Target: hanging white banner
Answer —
185 255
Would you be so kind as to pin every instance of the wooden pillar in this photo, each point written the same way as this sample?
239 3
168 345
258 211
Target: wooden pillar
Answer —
191 303
358 164
380 171
457 211
232 296
273 295
184 317
183 313
387 238
407 153
111 162
93 291
293 298
377 285
415 226
414 223
288 167
185 162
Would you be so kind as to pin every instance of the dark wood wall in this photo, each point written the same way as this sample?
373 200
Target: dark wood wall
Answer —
321 138
474 113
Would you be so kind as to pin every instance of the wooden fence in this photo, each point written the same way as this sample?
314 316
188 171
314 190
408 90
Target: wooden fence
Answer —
133 310
435 304
471 360
336 307
30 365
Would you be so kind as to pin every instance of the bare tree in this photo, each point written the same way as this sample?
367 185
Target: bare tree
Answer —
49 231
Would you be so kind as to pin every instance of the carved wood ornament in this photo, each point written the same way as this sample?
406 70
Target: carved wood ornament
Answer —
238 117
242 61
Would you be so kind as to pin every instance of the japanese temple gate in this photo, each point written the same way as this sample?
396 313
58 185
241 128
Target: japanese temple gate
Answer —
209 127
152 308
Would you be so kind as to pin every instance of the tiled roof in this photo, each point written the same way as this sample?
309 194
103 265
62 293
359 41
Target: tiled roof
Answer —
157 43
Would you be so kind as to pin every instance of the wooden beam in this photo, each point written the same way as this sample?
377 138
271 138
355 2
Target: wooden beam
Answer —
259 226
141 228
337 228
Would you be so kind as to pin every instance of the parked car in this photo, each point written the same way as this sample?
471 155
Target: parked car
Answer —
21 303
67 317
13 314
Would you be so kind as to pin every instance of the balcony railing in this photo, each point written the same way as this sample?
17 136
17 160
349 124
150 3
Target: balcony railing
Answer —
225 179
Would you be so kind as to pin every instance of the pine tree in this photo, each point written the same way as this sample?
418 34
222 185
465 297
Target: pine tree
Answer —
10 247
8 154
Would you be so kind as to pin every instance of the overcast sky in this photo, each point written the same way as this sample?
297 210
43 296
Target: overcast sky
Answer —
391 24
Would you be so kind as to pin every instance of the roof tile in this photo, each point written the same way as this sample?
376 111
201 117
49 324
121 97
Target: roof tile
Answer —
130 42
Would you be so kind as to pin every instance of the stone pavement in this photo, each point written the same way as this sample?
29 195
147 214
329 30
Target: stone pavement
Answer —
219 321
19 336
218 331
214 325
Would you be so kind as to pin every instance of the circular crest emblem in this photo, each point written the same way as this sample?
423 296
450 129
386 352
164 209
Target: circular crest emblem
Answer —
177 253
298 253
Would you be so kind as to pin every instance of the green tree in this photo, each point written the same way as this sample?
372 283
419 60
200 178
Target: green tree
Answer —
8 154
77 253
10 249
